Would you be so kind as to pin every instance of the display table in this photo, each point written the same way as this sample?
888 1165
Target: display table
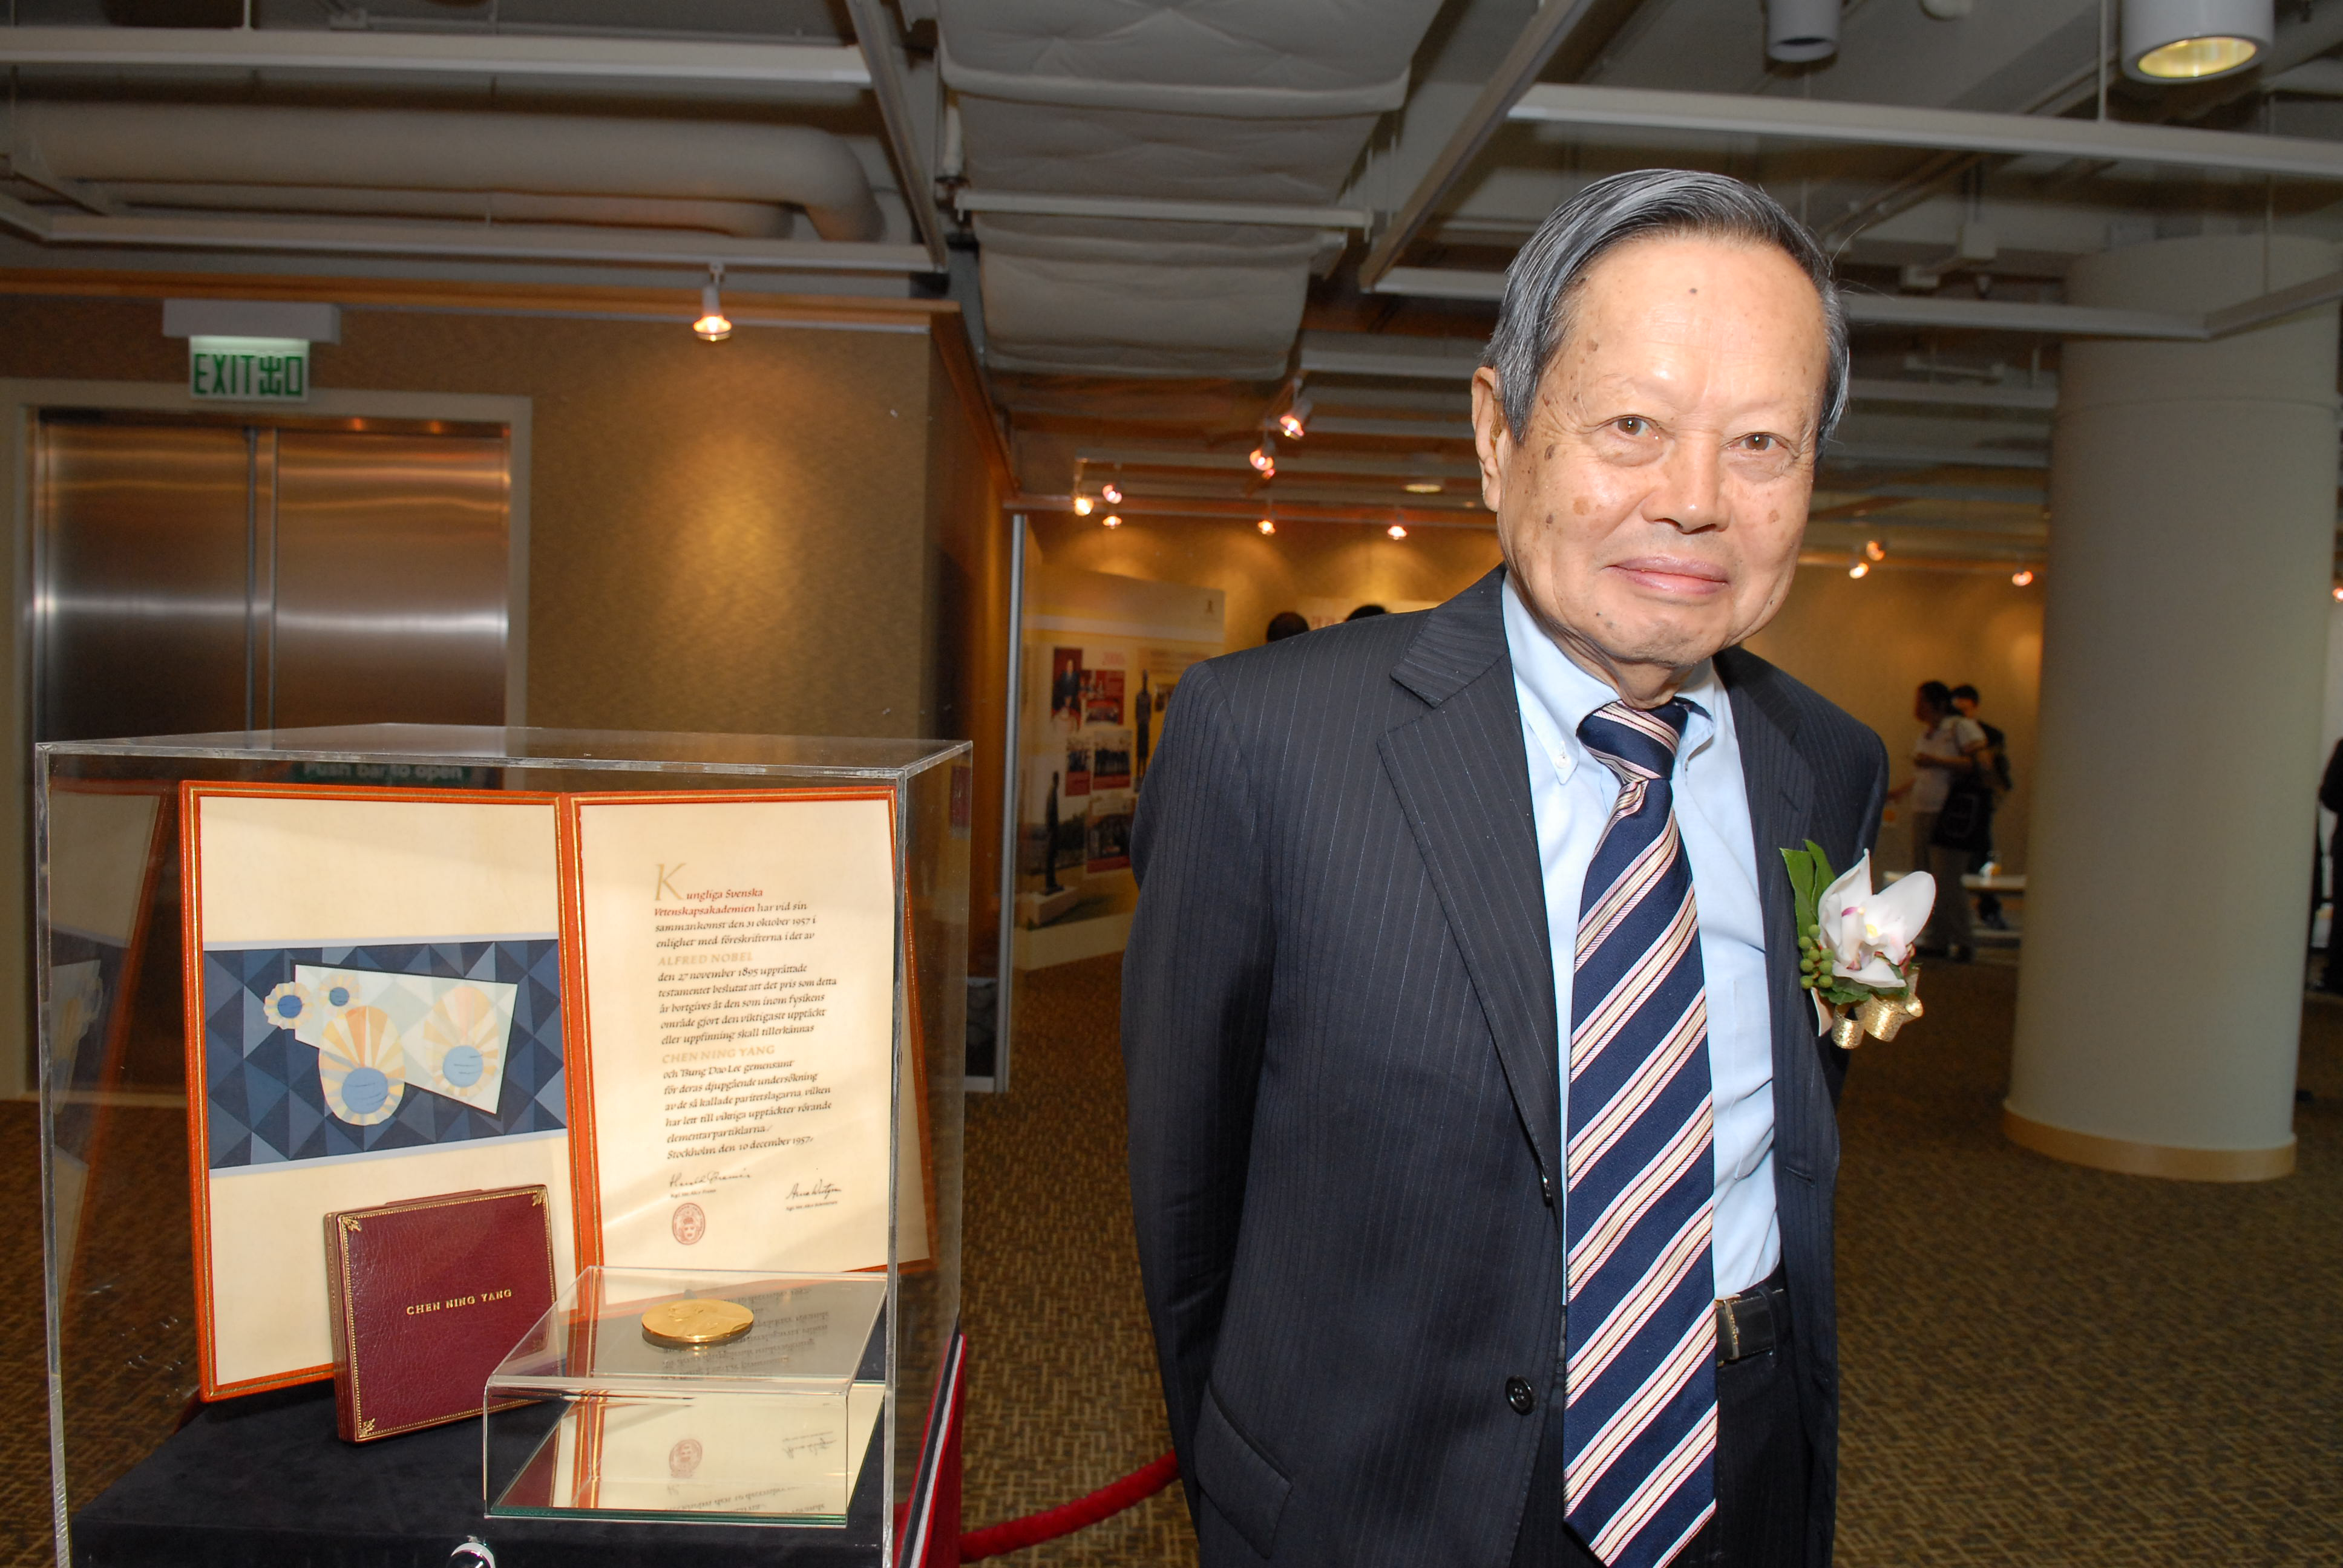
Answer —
262 1480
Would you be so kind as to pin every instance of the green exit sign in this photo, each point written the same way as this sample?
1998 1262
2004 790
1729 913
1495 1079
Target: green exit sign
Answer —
249 370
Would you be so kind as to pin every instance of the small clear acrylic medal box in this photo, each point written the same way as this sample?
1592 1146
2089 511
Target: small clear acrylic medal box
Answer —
590 1417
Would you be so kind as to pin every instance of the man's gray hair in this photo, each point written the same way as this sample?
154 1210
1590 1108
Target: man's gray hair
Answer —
1546 275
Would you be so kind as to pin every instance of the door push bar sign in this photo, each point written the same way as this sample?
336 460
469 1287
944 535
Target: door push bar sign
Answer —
249 370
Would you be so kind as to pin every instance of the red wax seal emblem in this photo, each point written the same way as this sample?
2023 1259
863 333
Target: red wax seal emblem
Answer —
689 1223
683 1458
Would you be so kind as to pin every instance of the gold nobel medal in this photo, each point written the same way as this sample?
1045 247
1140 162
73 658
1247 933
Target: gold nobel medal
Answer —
686 1324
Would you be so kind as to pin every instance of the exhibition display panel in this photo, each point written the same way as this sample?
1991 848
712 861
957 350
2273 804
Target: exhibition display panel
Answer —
608 1082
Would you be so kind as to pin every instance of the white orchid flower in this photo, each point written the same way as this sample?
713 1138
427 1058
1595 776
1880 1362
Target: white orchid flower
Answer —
1871 934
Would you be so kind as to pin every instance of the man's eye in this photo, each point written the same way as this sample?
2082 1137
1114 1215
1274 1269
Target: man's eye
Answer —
1632 424
1761 442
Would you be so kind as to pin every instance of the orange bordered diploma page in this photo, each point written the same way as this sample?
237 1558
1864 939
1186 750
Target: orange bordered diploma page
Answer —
733 955
374 1015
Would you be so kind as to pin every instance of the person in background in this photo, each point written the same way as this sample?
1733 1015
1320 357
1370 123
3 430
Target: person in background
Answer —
1950 747
2330 794
1365 610
1286 623
1996 771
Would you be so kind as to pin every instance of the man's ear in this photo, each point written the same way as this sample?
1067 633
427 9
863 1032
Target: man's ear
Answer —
1493 438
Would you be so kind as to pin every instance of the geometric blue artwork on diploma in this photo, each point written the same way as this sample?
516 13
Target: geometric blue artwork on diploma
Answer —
448 1069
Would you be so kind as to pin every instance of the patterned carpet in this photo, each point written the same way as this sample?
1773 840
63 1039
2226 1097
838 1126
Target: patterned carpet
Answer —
2045 1364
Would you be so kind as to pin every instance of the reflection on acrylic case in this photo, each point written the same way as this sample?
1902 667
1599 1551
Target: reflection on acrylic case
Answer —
105 842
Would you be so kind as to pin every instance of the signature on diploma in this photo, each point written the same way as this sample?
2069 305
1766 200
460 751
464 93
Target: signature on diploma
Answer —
816 1192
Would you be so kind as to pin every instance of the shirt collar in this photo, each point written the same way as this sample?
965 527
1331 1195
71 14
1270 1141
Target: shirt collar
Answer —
1557 694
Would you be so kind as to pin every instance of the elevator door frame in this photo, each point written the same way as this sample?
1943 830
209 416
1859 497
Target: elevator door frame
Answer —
21 403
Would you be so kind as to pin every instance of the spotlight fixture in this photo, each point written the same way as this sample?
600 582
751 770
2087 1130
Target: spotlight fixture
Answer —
1295 420
713 326
2189 40
1268 526
1860 569
2024 577
1874 550
1422 486
1797 31
1111 520
1263 459
1397 530
1081 505
1111 493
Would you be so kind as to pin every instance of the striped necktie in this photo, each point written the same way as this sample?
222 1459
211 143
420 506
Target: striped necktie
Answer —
1640 1427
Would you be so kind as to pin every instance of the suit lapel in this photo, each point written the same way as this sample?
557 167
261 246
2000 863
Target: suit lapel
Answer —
1463 779
1781 790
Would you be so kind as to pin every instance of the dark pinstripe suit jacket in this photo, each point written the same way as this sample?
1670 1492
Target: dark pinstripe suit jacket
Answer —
1339 1029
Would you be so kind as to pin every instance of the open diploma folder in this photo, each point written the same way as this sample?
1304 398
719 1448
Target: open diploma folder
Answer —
682 1004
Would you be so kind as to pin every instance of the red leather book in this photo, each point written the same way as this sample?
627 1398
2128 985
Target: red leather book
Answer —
429 1295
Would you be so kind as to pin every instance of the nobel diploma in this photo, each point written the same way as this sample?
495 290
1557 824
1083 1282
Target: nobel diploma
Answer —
739 955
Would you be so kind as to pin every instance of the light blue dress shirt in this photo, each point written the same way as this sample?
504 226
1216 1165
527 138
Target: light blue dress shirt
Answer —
1571 795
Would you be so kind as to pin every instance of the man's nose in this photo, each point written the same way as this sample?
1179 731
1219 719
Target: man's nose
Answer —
1690 494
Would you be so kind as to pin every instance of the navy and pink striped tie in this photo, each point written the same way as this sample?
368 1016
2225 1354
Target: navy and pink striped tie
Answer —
1640 1427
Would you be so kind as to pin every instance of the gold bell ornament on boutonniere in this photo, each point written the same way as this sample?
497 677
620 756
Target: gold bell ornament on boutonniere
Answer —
1856 945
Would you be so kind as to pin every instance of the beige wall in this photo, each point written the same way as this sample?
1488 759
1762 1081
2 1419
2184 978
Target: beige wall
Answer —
796 531
1262 575
1864 645
727 537
970 616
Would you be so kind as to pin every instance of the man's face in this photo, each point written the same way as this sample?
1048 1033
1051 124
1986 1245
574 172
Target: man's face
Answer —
1965 706
1651 510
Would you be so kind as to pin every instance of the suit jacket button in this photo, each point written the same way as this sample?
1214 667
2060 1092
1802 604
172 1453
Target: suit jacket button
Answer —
1519 1394
1546 1188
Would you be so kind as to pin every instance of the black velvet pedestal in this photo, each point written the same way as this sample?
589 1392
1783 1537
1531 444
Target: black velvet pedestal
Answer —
263 1481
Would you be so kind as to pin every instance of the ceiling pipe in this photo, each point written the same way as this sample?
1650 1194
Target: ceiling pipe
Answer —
749 220
573 155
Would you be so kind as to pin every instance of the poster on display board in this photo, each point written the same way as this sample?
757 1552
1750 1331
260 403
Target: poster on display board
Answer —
1104 654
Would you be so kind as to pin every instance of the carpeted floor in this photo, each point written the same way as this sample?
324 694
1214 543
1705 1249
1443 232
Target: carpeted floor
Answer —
2044 1364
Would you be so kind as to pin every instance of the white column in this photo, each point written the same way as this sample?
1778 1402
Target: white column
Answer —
2192 541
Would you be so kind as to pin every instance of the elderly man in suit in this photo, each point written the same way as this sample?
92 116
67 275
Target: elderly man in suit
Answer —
1483 1141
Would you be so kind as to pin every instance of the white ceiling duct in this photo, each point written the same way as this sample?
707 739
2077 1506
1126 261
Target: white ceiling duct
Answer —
572 154
1193 100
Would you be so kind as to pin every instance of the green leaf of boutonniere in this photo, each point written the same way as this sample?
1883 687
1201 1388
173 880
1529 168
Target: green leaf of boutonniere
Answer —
1810 873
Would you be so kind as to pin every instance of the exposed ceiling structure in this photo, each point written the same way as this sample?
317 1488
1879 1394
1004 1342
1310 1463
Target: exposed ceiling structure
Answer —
1170 219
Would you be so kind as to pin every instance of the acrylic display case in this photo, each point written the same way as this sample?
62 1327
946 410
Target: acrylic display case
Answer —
590 1417
706 990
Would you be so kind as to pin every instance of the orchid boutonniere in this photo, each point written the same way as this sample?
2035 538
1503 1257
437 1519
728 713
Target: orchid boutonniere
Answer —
1855 944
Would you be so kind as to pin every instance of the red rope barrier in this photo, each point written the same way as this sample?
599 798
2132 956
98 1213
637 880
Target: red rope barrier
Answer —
1068 1517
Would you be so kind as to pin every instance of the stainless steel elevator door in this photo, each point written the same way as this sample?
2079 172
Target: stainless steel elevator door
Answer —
390 578
146 564
198 575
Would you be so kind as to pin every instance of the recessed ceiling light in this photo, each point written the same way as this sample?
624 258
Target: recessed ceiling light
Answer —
1422 486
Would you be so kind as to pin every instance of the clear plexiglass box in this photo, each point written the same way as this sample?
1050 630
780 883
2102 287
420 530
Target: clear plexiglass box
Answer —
706 990
592 1416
